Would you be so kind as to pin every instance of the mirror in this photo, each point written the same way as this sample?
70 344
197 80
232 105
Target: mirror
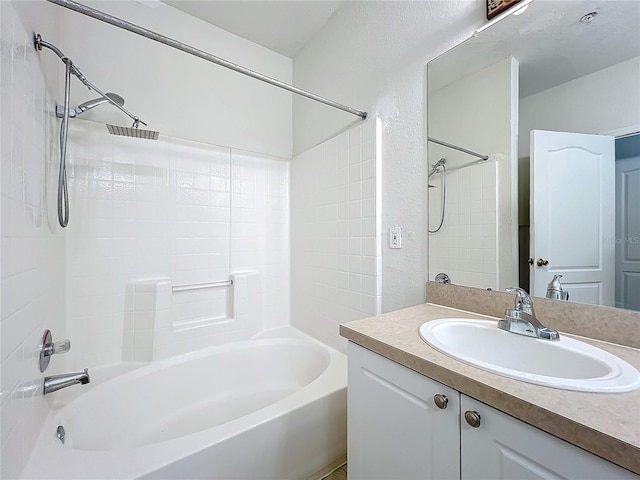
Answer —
562 66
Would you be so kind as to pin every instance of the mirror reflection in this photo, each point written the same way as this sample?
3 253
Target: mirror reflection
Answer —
534 154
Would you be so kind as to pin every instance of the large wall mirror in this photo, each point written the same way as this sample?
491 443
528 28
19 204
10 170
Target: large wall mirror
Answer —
534 153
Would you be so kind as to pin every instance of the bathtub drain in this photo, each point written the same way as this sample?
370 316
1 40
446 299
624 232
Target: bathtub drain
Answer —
60 433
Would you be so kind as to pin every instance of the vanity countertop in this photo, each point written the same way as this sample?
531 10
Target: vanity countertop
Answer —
606 424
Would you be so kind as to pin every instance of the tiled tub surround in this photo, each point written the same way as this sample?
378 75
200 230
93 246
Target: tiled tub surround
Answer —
152 332
607 425
169 209
335 239
33 251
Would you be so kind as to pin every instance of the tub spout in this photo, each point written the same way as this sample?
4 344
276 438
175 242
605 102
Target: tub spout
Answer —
56 382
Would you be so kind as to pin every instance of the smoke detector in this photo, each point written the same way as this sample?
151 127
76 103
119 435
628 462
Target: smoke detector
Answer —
588 17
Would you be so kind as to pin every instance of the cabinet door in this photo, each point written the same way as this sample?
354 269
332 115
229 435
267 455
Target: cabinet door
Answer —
395 430
503 447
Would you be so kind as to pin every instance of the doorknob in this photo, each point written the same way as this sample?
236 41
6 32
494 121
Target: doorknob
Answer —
541 262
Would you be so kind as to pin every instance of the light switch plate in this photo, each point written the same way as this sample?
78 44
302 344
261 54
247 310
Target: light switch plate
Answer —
395 237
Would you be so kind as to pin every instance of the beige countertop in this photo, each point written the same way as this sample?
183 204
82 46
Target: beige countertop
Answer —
606 424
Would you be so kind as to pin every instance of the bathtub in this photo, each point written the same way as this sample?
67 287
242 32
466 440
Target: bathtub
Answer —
267 408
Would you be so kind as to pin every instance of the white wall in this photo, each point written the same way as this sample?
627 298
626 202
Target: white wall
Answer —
175 93
335 240
372 56
479 113
169 209
598 103
33 265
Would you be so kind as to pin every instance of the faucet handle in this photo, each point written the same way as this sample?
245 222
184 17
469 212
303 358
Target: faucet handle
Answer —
49 348
523 300
62 346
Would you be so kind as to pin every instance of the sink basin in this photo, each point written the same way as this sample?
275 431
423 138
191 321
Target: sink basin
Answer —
567 363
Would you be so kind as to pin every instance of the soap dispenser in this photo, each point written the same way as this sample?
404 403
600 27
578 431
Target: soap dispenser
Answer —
555 291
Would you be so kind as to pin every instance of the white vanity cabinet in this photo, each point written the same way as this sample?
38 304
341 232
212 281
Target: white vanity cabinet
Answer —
396 431
503 447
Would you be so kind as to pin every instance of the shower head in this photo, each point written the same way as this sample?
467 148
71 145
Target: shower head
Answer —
83 107
133 131
435 168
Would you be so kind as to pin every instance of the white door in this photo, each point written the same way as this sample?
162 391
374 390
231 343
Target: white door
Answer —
572 214
628 233
395 430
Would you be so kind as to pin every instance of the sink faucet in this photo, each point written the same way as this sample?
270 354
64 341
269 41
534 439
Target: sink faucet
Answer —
522 319
56 382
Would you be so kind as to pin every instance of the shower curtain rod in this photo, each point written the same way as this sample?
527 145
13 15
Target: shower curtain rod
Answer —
131 27
460 149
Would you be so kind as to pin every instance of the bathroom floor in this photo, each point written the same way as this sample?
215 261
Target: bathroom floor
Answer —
339 474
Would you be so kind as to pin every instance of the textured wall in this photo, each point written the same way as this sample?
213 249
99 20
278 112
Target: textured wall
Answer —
372 56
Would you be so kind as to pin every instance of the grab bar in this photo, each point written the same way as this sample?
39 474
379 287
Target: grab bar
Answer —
199 286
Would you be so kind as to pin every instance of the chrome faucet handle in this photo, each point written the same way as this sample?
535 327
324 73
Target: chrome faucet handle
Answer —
523 300
48 348
62 346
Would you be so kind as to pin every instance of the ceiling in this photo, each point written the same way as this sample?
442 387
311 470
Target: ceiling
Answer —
284 26
550 42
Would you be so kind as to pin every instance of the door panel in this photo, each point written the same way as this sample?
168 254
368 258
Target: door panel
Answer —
627 238
572 200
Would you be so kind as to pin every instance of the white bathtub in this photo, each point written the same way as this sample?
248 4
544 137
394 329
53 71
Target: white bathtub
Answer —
271 408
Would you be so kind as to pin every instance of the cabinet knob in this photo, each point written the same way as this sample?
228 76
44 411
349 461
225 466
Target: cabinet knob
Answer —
472 418
441 401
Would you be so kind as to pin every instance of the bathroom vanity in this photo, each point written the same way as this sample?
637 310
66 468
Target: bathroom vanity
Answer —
417 413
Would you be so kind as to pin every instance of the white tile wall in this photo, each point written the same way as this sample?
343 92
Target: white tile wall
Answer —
335 240
465 248
33 266
190 212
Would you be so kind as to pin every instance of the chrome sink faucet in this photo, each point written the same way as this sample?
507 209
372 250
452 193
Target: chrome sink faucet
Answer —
57 382
522 318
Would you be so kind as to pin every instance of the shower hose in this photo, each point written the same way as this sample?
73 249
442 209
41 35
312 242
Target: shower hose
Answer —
444 198
63 192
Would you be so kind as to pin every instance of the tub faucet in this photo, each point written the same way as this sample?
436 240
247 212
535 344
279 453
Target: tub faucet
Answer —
56 382
522 319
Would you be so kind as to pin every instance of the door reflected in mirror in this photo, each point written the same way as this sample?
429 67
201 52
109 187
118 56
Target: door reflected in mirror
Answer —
519 218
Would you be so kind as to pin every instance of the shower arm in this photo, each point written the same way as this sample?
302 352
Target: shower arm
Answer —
131 27
39 43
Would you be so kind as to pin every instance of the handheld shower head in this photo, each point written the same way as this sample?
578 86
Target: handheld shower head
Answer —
435 168
83 107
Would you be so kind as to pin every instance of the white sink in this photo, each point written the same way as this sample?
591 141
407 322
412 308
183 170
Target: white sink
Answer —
567 363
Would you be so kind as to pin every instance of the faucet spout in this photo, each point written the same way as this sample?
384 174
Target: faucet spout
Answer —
57 382
522 318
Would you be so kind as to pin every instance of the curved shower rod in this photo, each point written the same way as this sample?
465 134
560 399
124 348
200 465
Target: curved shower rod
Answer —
131 27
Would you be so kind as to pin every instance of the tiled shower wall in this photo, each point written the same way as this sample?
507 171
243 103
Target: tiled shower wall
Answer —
335 244
465 246
32 244
169 209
